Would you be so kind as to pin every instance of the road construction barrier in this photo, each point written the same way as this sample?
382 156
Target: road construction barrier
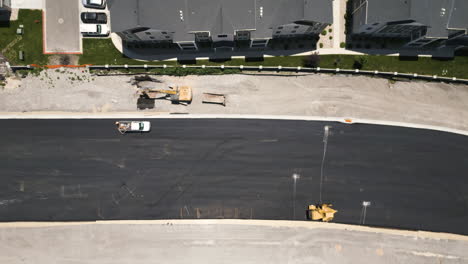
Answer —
58 66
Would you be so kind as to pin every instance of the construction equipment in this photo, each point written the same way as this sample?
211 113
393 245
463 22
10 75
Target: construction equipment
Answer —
176 94
212 98
133 126
322 212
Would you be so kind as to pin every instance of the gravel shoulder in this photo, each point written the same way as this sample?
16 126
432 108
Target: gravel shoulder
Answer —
76 90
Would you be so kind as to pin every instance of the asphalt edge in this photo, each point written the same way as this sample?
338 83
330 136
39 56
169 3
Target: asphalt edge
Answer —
164 115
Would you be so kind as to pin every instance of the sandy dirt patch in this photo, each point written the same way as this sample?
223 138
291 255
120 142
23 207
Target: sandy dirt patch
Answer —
324 95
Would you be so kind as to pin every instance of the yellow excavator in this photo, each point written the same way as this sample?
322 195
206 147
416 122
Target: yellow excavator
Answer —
322 212
178 94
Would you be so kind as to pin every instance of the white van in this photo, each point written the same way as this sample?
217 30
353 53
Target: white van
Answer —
94 29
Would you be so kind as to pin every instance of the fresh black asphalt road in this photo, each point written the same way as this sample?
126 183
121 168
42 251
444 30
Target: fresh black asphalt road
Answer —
63 170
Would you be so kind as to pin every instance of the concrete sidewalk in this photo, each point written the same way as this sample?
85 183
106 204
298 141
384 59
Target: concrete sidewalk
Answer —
339 10
222 241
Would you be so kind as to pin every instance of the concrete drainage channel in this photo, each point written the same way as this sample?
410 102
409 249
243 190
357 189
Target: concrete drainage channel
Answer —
298 69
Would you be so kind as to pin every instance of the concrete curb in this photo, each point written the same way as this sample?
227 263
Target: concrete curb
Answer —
265 223
153 115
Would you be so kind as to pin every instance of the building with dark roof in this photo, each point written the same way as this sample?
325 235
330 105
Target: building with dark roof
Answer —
421 22
218 22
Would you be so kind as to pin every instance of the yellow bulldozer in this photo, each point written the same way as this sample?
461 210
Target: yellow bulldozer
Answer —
322 212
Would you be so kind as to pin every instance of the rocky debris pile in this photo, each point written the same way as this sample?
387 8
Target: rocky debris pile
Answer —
3 68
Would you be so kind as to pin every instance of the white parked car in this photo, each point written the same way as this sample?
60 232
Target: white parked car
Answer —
133 126
98 4
94 29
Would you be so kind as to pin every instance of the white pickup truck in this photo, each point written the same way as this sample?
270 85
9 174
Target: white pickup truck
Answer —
133 126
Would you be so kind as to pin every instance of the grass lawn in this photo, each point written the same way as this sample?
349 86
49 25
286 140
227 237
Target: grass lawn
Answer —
31 41
102 51
457 67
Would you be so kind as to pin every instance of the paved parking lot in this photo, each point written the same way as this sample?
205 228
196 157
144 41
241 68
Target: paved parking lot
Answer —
62 29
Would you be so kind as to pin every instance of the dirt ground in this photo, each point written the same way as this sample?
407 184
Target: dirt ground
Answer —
324 95
64 59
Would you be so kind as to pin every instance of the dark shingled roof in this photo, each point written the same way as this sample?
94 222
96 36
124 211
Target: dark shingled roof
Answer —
216 16
459 16
438 15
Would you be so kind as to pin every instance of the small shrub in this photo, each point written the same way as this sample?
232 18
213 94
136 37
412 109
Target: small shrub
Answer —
342 45
330 30
330 37
324 32
312 61
337 62
321 45
364 59
357 65
359 62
